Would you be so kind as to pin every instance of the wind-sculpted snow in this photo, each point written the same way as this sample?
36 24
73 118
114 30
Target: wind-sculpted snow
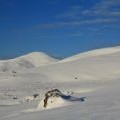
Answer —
55 98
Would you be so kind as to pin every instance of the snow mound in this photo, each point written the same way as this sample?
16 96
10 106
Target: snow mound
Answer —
55 99
51 100
35 59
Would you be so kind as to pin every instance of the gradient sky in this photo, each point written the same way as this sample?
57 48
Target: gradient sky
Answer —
58 27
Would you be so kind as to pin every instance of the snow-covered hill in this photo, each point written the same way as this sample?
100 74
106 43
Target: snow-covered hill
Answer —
93 53
96 66
35 59
93 75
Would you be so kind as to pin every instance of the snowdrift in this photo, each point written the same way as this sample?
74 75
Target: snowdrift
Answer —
55 99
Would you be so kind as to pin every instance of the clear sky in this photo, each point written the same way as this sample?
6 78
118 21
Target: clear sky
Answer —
58 27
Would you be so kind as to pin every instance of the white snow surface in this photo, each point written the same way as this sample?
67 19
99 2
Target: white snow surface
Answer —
93 75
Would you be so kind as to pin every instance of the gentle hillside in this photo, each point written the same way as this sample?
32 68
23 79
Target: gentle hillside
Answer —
93 53
96 67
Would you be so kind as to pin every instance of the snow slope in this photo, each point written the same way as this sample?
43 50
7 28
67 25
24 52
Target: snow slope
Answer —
98 52
87 72
94 75
102 104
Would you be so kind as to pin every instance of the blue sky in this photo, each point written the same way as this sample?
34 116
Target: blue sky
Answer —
60 28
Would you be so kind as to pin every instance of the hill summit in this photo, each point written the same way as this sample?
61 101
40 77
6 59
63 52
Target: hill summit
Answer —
31 60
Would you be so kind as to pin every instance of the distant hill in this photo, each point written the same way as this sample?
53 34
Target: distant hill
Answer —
35 59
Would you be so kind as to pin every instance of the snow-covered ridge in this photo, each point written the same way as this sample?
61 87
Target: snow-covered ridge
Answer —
92 53
35 59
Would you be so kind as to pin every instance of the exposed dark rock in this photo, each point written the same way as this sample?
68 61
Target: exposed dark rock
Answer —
35 95
15 98
14 72
52 93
